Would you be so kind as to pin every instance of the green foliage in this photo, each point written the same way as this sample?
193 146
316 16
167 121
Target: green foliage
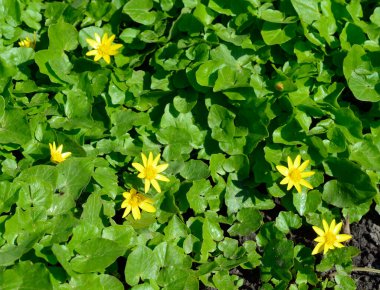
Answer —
225 91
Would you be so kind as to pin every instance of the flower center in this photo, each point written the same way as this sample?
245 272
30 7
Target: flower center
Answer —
102 49
150 172
134 201
330 238
295 175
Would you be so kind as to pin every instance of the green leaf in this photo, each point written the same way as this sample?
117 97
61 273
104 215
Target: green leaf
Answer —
141 263
362 78
287 220
366 153
307 11
307 202
26 275
351 187
221 122
274 33
249 221
95 255
73 175
139 11
194 170
62 36
95 281
196 195
278 256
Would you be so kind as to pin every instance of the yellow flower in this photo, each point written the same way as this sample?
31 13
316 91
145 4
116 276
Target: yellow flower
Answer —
56 153
294 174
133 201
328 237
27 42
149 171
103 48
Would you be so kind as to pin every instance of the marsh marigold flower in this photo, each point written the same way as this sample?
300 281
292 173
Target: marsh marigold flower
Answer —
27 42
150 171
134 201
56 153
103 48
328 237
294 175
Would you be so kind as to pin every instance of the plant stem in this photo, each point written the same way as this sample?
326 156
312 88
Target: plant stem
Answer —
366 269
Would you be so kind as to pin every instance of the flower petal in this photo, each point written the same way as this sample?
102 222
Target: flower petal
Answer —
110 39
297 161
318 230
150 159
92 52
337 228
332 225
155 161
107 58
92 43
304 165
343 237
305 183
317 249
307 174
147 185
156 185
127 211
283 170
298 187
290 163
162 178
285 180
290 184
320 239
97 57
144 159
97 37
338 245
147 207
136 213
161 167
325 225
138 166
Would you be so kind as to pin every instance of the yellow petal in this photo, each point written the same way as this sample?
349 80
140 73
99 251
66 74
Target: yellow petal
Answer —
307 174
306 183
150 159
320 239
290 184
337 228
92 43
66 155
343 237
92 52
290 163
317 249
147 185
109 40
141 175
116 46
282 169
107 58
325 225
97 37
138 166
127 195
144 159
332 225
155 161
298 187
127 211
97 57
338 245
297 161
147 207
325 249
156 185
161 167
136 213
319 231
285 180
304 165
162 178
104 38
59 149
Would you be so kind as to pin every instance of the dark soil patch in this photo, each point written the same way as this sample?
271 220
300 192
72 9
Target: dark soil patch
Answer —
366 237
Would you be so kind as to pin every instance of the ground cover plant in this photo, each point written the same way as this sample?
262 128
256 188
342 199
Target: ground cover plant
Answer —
189 144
